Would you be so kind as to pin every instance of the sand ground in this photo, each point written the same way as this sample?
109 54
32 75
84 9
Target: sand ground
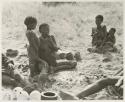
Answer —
71 25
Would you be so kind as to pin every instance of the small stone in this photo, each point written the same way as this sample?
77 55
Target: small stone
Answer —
69 56
77 56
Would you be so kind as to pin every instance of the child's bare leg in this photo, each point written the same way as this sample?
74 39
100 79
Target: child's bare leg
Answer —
97 86
32 70
43 67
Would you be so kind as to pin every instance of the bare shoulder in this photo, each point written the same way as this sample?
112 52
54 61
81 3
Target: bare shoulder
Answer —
30 33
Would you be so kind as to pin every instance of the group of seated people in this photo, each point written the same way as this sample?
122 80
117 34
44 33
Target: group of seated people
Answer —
43 56
102 41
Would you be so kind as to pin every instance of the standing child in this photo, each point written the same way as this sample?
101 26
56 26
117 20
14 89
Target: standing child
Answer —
33 47
99 32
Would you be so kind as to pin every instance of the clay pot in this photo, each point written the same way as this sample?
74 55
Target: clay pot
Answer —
35 95
62 55
49 95
12 53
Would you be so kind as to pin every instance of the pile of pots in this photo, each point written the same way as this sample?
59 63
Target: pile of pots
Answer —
19 94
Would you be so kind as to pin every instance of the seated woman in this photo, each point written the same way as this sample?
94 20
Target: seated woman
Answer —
116 82
98 34
48 49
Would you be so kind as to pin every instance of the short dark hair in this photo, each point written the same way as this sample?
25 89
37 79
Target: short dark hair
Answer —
30 20
113 29
99 17
43 26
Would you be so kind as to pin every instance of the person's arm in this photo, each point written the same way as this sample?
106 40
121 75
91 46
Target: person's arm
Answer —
31 36
53 39
113 40
92 32
97 86
105 35
94 36
91 89
105 30
53 44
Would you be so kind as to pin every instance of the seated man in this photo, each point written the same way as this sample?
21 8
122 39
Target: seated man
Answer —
8 76
48 49
116 82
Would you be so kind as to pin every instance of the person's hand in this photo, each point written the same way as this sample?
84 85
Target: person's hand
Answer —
119 82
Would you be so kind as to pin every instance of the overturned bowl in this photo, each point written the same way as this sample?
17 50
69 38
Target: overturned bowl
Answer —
49 95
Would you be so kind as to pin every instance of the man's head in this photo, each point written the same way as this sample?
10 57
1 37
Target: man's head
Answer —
44 30
98 20
30 22
112 31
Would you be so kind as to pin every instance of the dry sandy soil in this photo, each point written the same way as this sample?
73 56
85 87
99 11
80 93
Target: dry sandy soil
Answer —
71 25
